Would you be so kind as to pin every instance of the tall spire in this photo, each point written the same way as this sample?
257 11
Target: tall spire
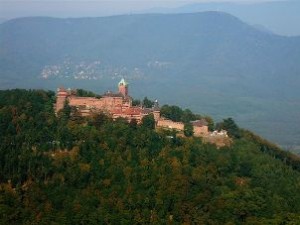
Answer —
123 82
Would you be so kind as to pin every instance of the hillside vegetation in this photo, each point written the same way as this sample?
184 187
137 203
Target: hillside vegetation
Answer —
73 170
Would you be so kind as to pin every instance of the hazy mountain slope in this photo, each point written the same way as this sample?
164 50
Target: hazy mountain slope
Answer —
210 62
280 17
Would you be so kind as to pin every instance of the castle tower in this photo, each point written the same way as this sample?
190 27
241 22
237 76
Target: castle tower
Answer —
123 87
61 97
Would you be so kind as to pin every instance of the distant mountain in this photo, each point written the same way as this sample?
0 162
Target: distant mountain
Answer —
2 19
280 17
210 62
262 28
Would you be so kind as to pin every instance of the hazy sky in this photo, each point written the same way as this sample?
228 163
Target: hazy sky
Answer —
76 8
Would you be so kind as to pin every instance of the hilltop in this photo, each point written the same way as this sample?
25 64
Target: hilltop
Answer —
210 62
68 169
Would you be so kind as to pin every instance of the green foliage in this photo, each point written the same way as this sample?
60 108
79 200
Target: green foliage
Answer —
230 126
136 102
171 112
61 170
148 121
84 93
210 123
99 120
188 130
65 114
177 114
147 103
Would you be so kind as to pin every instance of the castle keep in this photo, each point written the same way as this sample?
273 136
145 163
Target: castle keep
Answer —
120 105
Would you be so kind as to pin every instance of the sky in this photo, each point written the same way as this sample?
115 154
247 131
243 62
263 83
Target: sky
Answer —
78 8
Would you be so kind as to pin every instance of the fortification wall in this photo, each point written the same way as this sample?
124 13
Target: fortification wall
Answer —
170 124
102 103
85 101
199 131
111 102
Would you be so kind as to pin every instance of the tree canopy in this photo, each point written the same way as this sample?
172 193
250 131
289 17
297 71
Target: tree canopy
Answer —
177 114
93 170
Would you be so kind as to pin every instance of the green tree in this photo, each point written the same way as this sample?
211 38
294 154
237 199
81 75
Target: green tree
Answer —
99 119
84 93
188 116
147 103
230 126
171 112
148 121
210 123
136 102
65 113
188 130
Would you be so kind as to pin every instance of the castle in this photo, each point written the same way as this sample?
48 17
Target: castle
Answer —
120 105
114 104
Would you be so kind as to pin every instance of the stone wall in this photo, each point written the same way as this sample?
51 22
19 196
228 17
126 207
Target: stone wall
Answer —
107 103
170 124
200 131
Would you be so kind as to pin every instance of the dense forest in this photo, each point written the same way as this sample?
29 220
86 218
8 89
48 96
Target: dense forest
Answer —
66 169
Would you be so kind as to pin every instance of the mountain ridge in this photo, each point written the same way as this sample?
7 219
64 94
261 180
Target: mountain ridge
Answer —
278 16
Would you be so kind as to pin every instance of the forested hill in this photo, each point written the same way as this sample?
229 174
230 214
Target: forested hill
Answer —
73 170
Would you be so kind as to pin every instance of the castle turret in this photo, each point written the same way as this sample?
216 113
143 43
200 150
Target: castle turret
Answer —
123 87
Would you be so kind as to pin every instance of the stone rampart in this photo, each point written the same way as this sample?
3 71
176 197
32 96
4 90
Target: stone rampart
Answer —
170 124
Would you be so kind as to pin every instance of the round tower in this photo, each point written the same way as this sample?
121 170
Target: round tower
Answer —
123 87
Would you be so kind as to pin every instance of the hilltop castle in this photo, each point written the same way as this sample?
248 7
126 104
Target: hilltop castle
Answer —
120 105
115 104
